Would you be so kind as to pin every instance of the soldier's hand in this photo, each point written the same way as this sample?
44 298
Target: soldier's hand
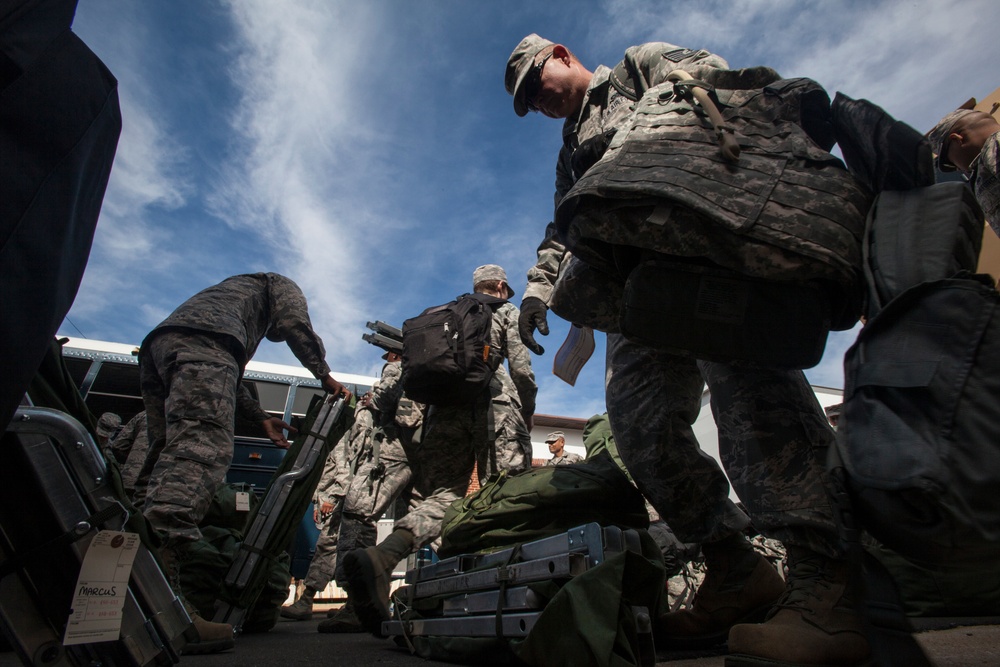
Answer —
322 512
275 427
335 388
533 316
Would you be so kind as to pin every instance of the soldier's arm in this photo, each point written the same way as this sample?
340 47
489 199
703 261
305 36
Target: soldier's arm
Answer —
519 363
387 392
291 323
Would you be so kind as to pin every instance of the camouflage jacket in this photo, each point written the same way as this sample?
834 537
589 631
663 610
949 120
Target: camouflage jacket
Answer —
518 380
249 308
788 210
604 108
986 180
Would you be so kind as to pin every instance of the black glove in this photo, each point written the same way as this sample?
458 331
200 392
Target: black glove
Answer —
532 317
590 151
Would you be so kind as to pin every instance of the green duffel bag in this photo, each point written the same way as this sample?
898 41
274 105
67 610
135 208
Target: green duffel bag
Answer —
541 502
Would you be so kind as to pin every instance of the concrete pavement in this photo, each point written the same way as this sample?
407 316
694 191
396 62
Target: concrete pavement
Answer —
298 644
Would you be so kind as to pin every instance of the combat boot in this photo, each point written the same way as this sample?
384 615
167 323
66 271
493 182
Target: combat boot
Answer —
342 620
815 622
740 586
301 609
369 572
203 636
212 637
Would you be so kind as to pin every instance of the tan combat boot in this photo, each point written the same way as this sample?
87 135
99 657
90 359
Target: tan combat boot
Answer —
301 609
369 572
814 623
204 636
342 620
740 586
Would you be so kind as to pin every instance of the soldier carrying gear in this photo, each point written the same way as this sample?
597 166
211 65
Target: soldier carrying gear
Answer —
772 433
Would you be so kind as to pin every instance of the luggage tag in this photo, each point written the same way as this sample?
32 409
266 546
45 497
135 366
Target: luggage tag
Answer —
242 501
99 596
573 354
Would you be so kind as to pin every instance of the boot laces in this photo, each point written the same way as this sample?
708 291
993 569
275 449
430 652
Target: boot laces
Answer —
807 578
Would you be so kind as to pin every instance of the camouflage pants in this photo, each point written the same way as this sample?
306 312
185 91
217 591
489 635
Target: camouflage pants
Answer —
488 436
188 384
377 483
773 439
324 560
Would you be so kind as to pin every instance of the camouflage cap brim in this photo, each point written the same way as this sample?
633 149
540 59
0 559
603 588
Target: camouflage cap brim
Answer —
519 65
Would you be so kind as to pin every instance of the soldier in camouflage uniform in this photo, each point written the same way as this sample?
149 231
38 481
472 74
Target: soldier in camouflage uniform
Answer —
557 447
328 501
969 140
190 370
773 435
488 435
383 476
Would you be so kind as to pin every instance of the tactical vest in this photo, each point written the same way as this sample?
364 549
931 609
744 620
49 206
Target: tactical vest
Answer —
788 210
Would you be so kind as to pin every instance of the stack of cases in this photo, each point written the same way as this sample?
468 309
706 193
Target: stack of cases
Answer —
470 586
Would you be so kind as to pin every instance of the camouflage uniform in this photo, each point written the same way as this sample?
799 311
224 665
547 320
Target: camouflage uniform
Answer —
986 180
190 370
489 434
772 433
568 458
129 448
383 470
332 488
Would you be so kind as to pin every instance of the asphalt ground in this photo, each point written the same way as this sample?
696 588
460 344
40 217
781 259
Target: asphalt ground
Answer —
973 643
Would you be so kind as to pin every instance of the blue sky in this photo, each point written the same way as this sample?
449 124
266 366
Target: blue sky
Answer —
368 150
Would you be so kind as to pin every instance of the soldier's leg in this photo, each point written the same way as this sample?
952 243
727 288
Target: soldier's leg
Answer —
441 468
200 375
321 567
773 440
653 399
191 427
507 443
154 399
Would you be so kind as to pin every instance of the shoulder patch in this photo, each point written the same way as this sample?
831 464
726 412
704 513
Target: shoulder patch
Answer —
678 55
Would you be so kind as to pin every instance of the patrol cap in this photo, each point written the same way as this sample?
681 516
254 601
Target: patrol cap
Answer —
938 137
107 424
491 272
555 435
519 65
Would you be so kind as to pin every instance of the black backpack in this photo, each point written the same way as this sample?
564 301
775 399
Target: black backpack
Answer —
917 451
446 351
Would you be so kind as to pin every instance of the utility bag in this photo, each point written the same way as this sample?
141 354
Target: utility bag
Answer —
446 351
917 453
716 314
783 224
787 210
916 443
540 502
919 235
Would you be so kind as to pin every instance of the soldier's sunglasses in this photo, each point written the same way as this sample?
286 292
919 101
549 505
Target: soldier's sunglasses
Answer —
533 83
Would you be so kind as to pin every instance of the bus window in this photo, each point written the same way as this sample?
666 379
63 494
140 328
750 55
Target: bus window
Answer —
115 389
